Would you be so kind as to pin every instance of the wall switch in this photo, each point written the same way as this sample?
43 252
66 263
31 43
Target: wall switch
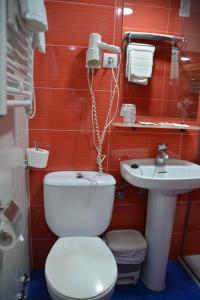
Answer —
110 60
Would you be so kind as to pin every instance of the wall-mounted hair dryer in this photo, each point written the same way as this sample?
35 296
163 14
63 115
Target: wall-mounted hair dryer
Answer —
93 54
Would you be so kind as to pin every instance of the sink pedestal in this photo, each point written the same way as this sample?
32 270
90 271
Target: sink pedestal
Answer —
178 177
159 224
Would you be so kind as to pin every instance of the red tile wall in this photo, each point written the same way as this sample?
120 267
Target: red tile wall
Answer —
164 98
62 123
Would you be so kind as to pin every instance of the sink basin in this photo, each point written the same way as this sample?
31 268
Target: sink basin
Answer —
177 176
163 184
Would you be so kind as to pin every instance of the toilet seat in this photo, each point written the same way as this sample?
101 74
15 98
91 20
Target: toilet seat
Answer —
80 268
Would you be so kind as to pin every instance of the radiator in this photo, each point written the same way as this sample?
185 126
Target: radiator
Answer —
16 66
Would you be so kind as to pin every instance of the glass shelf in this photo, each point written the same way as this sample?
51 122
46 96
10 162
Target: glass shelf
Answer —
137 125
153 36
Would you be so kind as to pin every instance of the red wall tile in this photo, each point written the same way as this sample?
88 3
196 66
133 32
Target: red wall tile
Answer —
139 145
154 90
71 150
175 4
192 243
180 215
191 24
71 23
193 221
175 22
175 246
97 2
40 251
62 123
128 216
39 228
68 109
36 186
146 107
189 146
154 3
196 195
64 67
130 194
147 18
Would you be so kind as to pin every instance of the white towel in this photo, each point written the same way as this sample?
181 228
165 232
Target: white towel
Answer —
39 42
34 14
139 62
31 16
12 13
14 18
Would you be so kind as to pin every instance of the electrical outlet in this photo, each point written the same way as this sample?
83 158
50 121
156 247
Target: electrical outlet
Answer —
110 60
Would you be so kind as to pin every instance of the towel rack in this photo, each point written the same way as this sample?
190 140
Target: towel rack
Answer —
129 36
16 66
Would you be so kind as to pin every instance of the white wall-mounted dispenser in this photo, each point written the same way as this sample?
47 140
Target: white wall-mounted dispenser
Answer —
93 54
37 157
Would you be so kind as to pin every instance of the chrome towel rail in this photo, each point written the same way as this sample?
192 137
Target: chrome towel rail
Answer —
175 40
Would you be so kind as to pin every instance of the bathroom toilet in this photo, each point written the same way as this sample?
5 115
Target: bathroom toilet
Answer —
78 208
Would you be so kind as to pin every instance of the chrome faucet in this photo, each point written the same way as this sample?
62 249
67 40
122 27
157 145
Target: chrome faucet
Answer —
162 155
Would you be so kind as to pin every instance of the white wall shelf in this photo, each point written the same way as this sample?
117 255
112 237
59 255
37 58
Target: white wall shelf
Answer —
156 126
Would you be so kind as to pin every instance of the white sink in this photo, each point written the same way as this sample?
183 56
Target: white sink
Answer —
177 176
163 184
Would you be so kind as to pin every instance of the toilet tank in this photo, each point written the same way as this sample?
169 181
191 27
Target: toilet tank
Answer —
78 203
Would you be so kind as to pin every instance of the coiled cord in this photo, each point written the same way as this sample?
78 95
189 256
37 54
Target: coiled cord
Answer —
108 119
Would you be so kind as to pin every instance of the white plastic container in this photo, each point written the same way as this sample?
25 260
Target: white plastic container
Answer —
129 249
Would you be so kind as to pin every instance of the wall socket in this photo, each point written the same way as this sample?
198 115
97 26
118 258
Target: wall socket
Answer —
110 60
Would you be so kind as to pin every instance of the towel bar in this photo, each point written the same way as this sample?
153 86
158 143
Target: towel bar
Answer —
19 103
129 36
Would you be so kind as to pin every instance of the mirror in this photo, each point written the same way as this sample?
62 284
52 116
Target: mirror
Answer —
165 97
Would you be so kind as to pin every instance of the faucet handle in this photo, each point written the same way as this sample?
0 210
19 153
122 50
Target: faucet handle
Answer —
162 147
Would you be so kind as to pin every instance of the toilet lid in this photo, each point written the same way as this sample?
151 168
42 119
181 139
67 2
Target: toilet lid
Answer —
80 267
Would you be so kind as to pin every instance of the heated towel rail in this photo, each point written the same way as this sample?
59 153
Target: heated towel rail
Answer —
16 65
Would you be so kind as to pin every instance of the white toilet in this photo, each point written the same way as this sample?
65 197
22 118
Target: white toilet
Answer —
78 208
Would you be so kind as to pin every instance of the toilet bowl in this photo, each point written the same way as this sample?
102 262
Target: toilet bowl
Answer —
78 207
80 268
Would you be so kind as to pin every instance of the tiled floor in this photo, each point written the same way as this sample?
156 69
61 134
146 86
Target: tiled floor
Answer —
179 287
